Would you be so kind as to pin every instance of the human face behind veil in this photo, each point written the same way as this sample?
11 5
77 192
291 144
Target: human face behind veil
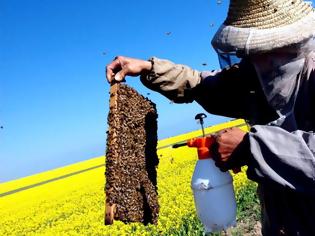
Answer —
278 74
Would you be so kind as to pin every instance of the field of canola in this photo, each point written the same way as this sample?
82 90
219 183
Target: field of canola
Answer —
74 203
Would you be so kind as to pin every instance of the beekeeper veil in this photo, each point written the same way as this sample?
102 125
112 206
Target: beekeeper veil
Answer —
279 73
275 35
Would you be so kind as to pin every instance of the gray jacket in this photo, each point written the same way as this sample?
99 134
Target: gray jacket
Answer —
280 150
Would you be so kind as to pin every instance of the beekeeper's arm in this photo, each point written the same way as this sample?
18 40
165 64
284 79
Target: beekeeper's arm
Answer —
278 156
221 92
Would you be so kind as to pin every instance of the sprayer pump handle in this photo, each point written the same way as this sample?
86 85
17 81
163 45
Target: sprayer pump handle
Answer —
200 117
203 146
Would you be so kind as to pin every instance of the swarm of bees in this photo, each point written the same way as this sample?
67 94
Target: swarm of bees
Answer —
131 158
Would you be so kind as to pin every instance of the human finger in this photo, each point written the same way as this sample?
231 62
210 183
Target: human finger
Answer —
120 76
112 68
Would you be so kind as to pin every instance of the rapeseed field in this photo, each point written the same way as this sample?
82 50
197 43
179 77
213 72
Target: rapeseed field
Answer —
70 200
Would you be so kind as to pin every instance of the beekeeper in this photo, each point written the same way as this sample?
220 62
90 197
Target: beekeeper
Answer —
267 52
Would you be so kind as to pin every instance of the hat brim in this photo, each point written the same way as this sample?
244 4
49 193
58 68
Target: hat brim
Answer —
248 41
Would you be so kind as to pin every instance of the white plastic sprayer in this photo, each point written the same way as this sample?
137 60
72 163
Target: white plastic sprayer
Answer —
213 189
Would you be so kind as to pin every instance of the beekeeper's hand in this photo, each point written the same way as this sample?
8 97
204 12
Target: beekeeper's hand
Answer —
226 152
121 66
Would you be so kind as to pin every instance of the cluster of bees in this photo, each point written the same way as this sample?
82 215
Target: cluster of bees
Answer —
131 157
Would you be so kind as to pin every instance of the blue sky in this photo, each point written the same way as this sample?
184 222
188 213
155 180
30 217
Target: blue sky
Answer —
53 92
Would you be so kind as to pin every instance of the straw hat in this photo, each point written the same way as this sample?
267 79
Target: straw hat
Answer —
257 26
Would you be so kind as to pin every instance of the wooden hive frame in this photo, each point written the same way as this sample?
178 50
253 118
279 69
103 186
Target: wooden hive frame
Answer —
131 159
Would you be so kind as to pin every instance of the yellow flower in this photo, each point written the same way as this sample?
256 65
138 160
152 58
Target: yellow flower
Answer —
75 205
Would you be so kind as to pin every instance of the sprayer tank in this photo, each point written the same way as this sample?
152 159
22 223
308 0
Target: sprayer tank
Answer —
214 196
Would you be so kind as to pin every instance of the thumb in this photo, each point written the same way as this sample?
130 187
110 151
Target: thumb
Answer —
120 76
